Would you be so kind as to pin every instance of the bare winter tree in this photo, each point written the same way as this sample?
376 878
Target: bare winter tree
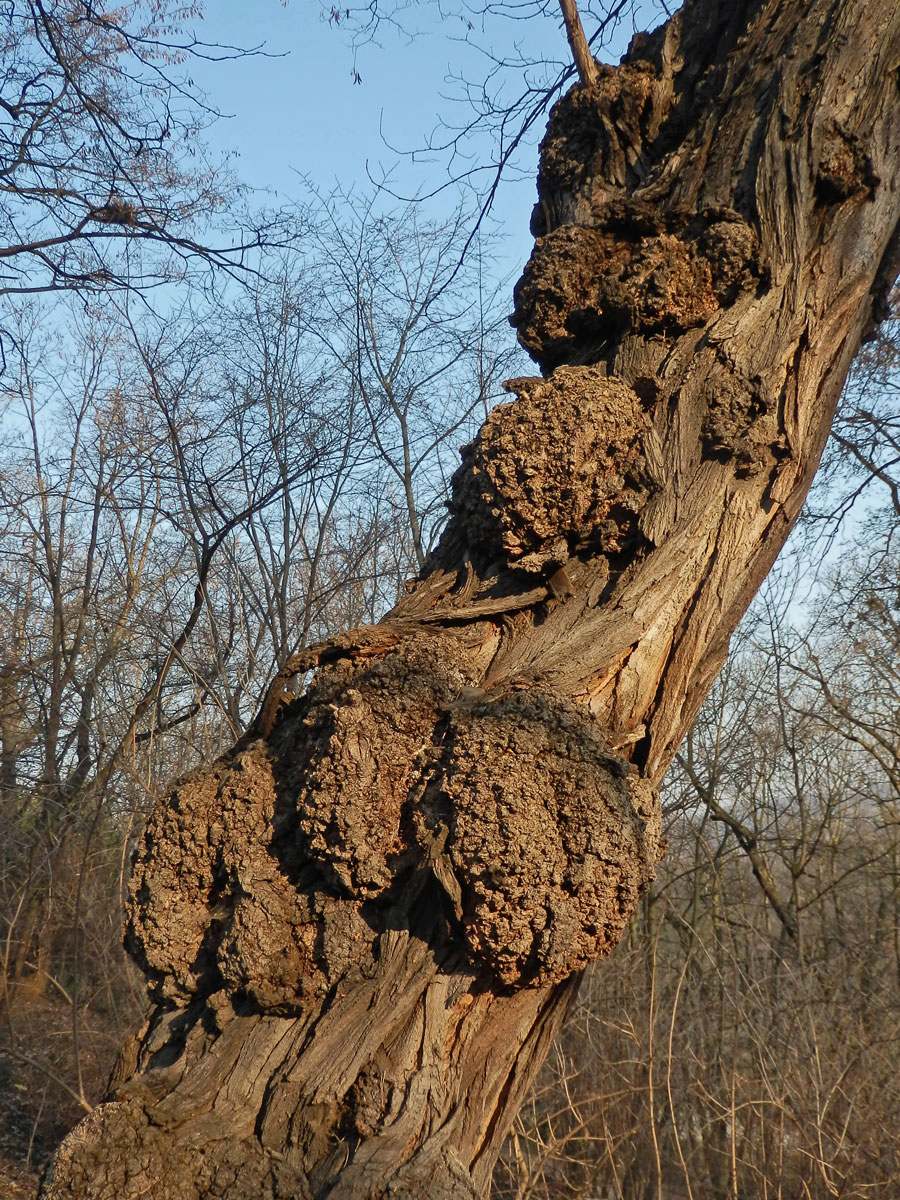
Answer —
363 926
104 178
414 324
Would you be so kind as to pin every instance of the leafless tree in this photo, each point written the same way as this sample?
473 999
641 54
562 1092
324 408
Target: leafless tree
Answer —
416 320
101 156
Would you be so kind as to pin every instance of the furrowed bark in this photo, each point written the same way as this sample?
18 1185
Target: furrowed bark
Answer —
363 926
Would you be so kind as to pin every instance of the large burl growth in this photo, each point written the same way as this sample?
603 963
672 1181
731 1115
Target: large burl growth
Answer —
271 875
362 927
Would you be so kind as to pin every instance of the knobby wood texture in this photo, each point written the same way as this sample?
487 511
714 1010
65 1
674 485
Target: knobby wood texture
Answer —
362 927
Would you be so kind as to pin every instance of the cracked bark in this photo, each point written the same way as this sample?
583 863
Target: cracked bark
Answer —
363 926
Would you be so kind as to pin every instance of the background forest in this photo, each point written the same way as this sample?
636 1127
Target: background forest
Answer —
200 473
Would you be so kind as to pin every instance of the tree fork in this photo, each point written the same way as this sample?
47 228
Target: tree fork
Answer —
362 930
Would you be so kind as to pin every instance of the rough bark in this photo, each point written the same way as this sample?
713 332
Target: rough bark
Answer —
363 926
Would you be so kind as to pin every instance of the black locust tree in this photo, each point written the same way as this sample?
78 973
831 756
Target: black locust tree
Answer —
363 925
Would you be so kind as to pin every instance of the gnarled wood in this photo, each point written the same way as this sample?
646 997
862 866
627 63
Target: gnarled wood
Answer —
363 926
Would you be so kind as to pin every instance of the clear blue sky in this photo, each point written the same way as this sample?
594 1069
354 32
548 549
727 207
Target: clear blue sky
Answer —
302 115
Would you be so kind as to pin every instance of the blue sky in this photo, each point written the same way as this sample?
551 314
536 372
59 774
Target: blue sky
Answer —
300 114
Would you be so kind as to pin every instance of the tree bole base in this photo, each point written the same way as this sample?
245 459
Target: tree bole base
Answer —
269 1137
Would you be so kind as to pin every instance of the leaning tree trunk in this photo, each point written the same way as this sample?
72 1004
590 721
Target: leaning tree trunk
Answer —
363 926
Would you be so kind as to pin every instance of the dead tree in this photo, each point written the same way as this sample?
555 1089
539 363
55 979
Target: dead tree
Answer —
363 926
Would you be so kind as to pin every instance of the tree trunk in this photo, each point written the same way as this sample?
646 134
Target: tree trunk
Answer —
364 925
